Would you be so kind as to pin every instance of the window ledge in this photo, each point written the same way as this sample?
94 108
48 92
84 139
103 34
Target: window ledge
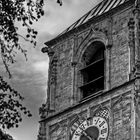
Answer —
92 95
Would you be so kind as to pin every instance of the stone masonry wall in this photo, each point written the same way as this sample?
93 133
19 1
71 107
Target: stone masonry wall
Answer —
117 64
119 105
120 50
117 58
118 96
64 75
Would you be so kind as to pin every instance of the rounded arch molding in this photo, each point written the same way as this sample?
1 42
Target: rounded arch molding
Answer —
93 36
99 38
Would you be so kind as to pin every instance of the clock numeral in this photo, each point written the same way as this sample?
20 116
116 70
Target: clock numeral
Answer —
79 121
97 121
102 124
103 130
82 127
77 133
73 128
88 122
75 125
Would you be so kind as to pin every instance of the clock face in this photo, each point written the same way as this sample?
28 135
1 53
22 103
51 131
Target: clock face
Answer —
93 129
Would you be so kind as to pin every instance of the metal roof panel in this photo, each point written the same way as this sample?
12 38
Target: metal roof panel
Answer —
99 9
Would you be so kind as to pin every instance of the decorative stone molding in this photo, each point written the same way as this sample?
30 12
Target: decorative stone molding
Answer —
131 36
48 50
73 64
134 41
137 69
136 104
42 132
131 24
52 84
137 87
137 33
92 36
53 70
102 112
137 3
43 111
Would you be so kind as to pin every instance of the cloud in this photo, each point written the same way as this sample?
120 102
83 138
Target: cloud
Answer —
57 18
41 66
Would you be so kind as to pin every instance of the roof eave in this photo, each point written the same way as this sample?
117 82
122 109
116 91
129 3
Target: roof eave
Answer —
93 20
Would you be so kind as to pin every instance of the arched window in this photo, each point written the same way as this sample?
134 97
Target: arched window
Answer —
93 69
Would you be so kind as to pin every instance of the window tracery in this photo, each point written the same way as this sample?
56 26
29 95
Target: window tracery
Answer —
93 69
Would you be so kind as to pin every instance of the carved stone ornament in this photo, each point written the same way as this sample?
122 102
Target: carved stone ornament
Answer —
73 63
131 23
92 36
53 70
48 50
137 69
43 110
102 112
58 131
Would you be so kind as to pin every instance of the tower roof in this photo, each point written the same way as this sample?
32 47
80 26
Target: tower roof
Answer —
101 8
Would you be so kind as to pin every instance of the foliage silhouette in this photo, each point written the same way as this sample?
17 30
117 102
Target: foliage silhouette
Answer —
5 136
25 12
10 106
14 11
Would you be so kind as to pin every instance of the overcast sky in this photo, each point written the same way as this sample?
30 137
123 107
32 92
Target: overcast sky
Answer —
30 77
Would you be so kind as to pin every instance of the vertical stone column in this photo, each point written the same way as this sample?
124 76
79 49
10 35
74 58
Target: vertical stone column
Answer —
131 27
108 55
50 53
136 100
136 13
107 68
73 65
107 72
42 131
136 57
52 85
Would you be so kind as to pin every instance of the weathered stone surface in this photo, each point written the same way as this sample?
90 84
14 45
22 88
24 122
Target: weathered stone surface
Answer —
119 116
121 94
120 50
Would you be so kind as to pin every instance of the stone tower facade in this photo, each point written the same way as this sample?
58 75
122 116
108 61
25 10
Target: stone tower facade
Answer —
94 76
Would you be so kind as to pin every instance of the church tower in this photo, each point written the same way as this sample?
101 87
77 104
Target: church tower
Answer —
94 76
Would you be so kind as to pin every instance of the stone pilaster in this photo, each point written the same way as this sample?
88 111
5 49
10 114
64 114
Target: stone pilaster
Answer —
136 68
131 27
108 55
136 13
42 131
73 65
51 79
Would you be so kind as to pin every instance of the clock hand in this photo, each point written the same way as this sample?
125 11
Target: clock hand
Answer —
87 135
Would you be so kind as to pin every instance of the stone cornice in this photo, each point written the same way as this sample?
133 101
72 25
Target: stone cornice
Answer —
87 100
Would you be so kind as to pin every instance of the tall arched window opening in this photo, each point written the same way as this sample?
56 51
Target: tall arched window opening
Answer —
93 69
